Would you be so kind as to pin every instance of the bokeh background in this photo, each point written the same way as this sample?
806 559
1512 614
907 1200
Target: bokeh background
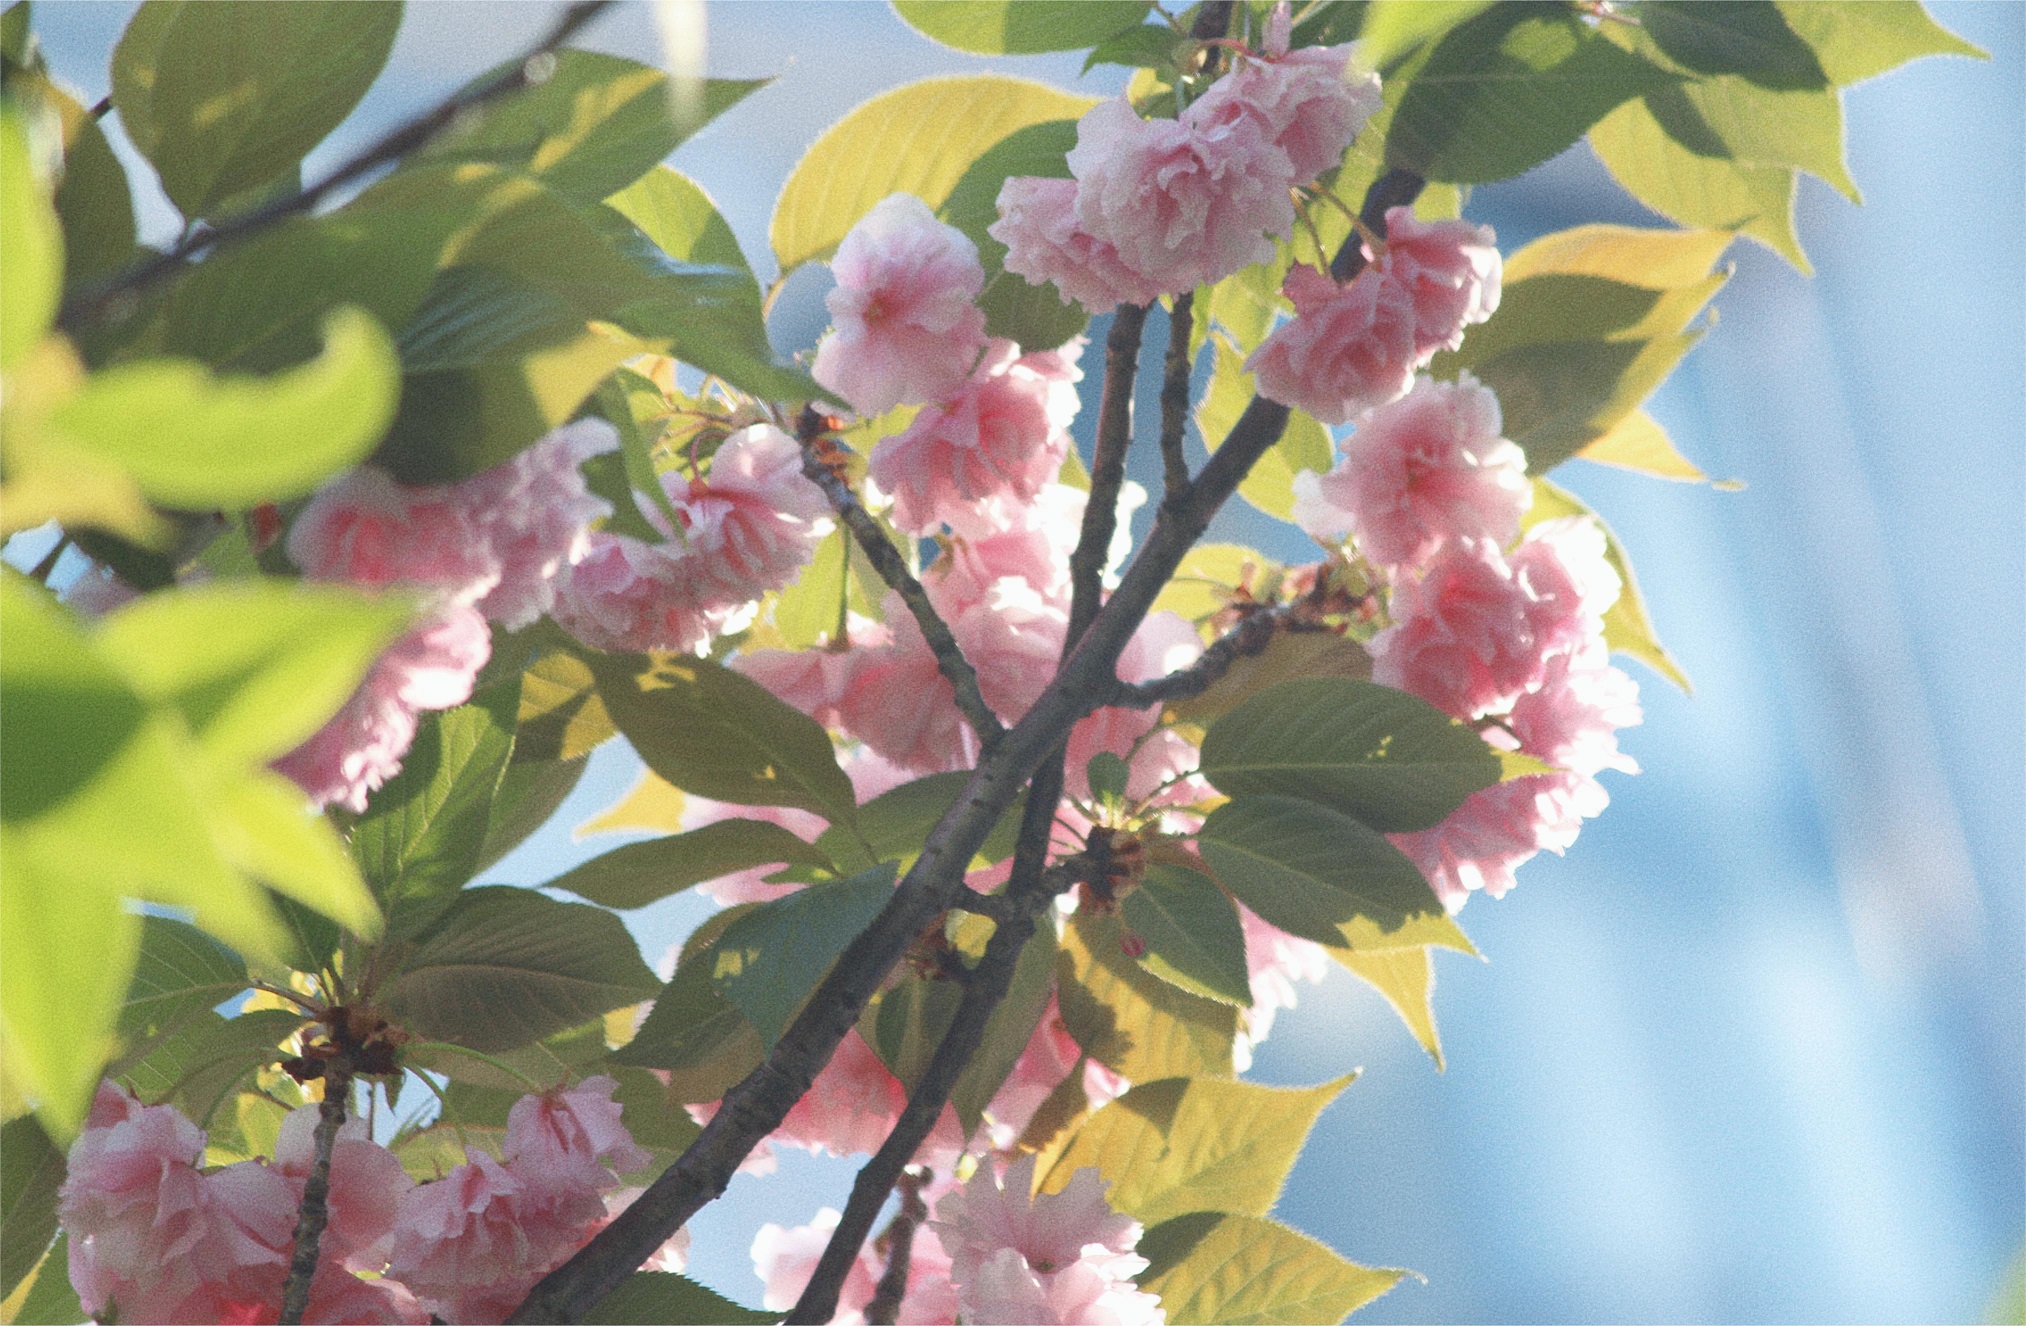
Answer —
1753 1051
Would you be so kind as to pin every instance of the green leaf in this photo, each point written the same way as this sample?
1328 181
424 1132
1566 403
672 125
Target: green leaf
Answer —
1289 656
561 716
1627 628
1208 575
1856 41
181 974
595 125
674 211
770 958
1210 1267
893 825
908 1021
420 838
1320 874
486 1085
18 47
1193 936
693 1033
223 99
1187 1144
50 1298
31 1169
641 873
256 667
1739 37
507 966
530 791
1406 978
1745 122
1129 1019
1303 445
1009 1031
191 440
93 202
33 240
201 1066
1392 760
807 612
917 139
1695 189
711 731
1142 46
1020 27
649 1296
1036 316
1392 28
1507 91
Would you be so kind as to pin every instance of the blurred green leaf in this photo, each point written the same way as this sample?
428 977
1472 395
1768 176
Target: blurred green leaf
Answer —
1320 874
1130 1020
1193 936
1213 1267
561 716
31 1170
51 1298
641 873
223 98
906 1023
770 958
1020 27
505 967
1392 760
205 1063
663 1296
93 203
33 240
1856 41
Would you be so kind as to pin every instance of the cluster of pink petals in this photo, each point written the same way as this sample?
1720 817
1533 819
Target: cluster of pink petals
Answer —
1520 639
1418 474
905 326
1063 1257
1005 431
489 548
1156 207
745 529
1355 347
785 1259
1274 961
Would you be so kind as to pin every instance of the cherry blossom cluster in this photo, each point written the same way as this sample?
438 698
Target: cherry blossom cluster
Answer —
1157 207
157 1237
492 548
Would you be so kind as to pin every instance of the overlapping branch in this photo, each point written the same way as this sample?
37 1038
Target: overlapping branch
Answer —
1175 393
1249 637
886 560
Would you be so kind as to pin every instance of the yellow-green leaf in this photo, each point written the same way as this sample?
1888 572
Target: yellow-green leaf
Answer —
1241 1270
1304 445
1638 442
1406 978
33 241
1856 41
1131 1020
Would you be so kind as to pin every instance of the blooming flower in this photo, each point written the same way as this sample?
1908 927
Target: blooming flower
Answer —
1419 473
752 524
629 596
364 529
1463 634
1306 102
1348 348
535 513
1449 269
569 1146
906 326
1045 243
471 1244
785 1259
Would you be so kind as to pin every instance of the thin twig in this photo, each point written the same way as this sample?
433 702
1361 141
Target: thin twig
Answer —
887 1297
886 559
1249 637
316 1193
756 1106
527 70
1107 469
1175 392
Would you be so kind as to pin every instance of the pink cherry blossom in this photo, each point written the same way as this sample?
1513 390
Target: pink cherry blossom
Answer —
1063 1257
367 1183
815 680
752 524
1005 432
1450 269
1498 829
1182 202
471 1244
630 596
1348 349
1572 718
1305 102
570 1141
1569 581
131 1191
1274 961
785 1259
906 326
1462 636
1046 244
432 667
536 513
1418 473
365 529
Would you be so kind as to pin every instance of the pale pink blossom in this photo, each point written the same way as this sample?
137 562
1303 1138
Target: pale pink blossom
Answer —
1047 244
752 524
785 1259
1005 432
814 680
471 1244
536 513
1427 469
1498 829
1063 1257
905 323
1450 269
1307 102
898 702
363 528
1274 961
1348 349
631 597
1569 581
337 1296
1182 203
367 1183
1028 541
1572 718
432 667
570 1142
1463 634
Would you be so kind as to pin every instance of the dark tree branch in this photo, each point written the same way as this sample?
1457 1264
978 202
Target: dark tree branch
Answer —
886 559
1396 188
526 71
884 1305
756 1106
1107 468
1249 637
1175 393
316 1194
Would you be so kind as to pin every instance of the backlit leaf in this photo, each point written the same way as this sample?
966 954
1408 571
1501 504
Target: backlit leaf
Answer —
641 873
181 972
1856 41
1406 978
33 239
693 1033
1193 936
31 1169
1020 27
1131 1020
771 957
1638 442
1209 1267
1304 445
1010 1029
